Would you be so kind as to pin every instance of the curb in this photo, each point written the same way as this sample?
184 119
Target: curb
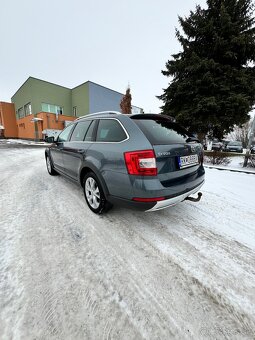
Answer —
250 172
20 146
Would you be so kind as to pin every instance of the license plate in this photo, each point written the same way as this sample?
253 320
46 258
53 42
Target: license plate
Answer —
186 161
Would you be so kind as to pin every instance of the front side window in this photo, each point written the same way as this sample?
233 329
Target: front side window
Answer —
110 130
80 130
63 137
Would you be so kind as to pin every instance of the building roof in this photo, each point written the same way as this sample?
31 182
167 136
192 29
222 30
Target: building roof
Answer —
92 82
88 81
45 81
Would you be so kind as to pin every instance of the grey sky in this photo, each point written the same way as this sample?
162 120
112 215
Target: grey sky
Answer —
112 43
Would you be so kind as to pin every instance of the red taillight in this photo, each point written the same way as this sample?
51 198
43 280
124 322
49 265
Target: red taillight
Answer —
141 163
151 199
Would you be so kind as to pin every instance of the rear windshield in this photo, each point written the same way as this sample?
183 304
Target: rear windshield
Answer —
235 143
162 131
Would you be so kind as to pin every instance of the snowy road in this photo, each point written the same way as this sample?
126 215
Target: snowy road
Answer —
185 273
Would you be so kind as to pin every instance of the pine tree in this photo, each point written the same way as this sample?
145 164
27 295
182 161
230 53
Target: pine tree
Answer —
125 103
212 85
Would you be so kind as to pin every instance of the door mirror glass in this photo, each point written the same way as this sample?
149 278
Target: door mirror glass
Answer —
49 139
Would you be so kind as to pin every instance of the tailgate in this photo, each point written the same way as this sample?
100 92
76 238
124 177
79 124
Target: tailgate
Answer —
177 162
178 155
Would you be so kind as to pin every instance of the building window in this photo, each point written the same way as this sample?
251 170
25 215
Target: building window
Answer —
52 108
59 110
20 113
28 109
75 111
45 107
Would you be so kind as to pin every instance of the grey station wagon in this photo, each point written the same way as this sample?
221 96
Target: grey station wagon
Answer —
144 161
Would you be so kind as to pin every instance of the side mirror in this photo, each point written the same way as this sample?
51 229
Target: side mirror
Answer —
50 139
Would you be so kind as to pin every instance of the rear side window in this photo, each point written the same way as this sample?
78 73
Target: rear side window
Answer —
80 130
110 130
162 131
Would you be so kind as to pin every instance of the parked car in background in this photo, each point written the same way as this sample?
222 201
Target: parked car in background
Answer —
235 146
144 161
225 143
50 133
217 145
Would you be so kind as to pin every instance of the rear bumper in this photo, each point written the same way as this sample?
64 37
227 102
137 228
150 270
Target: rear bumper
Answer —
154 206
234 150
174 200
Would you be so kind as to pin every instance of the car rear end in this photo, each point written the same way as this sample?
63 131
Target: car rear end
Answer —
167 172
217 146
235 147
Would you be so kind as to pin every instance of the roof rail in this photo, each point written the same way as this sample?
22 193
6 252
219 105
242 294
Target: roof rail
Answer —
99 113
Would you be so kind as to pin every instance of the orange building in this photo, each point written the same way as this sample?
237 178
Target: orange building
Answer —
28 127
32 126
8 124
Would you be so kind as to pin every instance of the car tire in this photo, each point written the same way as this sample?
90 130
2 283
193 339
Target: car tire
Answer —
49 166
94 194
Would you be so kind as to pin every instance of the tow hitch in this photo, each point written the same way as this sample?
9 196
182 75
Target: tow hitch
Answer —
193 199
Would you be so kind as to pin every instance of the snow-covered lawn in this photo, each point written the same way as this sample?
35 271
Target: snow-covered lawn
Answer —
236 163
187 272
21 142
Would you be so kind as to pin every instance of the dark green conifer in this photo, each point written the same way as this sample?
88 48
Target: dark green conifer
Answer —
212 78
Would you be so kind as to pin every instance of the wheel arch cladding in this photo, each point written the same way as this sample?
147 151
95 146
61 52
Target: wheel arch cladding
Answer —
87 169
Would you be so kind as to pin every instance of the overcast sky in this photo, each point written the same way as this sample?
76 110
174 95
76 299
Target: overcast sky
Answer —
113 43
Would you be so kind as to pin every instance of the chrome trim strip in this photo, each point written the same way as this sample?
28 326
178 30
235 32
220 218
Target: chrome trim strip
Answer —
173 201
98 113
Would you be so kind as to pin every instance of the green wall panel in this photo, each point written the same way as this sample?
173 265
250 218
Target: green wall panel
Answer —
38 91
80 99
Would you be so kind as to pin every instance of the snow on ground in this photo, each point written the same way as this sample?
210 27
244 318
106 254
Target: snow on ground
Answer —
236 163
21 141
187 272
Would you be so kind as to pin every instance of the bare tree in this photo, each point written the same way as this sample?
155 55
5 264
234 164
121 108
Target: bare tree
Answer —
241 133
125 103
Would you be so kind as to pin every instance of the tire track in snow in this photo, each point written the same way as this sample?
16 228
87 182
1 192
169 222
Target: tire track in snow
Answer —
125 275
247 322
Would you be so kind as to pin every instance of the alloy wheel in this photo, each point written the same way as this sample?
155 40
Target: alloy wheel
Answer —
92 193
